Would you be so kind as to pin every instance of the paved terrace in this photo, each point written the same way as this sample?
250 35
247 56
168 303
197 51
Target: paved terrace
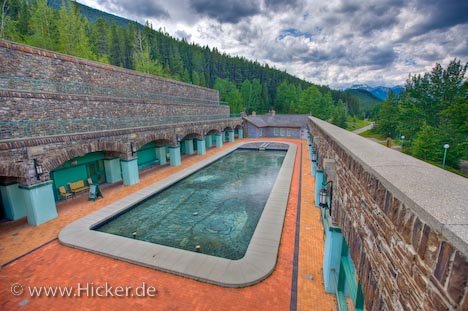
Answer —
33 256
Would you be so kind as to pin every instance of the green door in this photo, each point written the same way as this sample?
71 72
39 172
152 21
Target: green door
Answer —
96 171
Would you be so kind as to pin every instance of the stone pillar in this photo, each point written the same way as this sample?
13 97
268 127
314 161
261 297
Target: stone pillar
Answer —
188 144
332 259
161 155
40 202
318 185
113 171
231 136
219 140
174 155
130 172
13 201
201 148
208 141
240 132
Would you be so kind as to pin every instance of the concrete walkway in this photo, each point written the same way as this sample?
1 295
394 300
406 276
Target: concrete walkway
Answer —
365 128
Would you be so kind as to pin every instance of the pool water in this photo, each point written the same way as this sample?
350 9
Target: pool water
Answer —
214 211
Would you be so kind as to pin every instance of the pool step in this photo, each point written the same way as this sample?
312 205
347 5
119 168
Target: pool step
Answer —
263 147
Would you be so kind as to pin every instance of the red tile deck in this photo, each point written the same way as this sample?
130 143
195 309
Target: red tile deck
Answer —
56 265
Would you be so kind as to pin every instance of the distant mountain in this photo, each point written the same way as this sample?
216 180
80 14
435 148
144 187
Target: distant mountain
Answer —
381 92
92 14
367 101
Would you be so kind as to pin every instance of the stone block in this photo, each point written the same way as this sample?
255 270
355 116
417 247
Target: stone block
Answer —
456 285
443 260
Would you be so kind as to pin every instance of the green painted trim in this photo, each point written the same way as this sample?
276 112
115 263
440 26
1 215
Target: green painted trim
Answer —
349 277
123 160
341 301
334 229
173 147
29 187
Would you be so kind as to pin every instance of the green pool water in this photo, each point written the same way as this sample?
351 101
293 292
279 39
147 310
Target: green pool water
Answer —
216 208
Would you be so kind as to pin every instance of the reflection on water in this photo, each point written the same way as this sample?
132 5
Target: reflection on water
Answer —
217 208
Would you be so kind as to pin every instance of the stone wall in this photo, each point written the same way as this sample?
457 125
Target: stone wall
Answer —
38 64
18 106
408 255
16 156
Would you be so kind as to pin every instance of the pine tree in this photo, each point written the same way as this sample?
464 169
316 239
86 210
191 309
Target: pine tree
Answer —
114 46
98 39
72 36
42 26
142 58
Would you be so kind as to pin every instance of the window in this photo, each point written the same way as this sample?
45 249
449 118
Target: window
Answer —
276 131
283 132
290 132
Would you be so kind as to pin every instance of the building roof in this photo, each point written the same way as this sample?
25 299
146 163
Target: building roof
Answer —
279 120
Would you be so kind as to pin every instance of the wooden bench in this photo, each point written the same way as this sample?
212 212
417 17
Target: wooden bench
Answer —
77 186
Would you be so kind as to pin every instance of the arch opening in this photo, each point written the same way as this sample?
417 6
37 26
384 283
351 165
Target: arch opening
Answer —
153 153
77 174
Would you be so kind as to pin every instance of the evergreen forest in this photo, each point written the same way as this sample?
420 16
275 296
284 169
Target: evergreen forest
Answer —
246 85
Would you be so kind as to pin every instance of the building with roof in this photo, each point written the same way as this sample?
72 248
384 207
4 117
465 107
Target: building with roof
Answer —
273 125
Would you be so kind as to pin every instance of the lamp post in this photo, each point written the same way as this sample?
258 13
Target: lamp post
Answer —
402 141
323 196
446 146
314 156
133 148
38 169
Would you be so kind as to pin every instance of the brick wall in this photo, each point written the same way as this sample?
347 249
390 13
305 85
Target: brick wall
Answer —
402 261
33 63
47 106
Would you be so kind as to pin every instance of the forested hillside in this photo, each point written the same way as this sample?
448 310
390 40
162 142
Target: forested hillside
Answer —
247 85
368 103
92 14
431 112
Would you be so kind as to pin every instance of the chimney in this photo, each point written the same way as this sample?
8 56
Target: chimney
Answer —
254 114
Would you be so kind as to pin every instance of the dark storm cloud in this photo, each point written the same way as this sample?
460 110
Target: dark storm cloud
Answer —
275 4
364 17
439 15
377 57
139 8
226 11
321 56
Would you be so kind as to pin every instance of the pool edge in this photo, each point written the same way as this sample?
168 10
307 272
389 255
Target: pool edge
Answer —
257 264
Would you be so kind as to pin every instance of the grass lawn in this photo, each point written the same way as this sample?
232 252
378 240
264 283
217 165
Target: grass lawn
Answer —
354 123
379 138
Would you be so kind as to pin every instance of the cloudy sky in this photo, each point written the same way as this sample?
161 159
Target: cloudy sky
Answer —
332 42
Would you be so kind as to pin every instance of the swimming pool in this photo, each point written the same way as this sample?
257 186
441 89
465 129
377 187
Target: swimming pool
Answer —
258 261
213 211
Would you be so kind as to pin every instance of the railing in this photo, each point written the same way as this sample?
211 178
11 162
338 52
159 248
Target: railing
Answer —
41 128
35 85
